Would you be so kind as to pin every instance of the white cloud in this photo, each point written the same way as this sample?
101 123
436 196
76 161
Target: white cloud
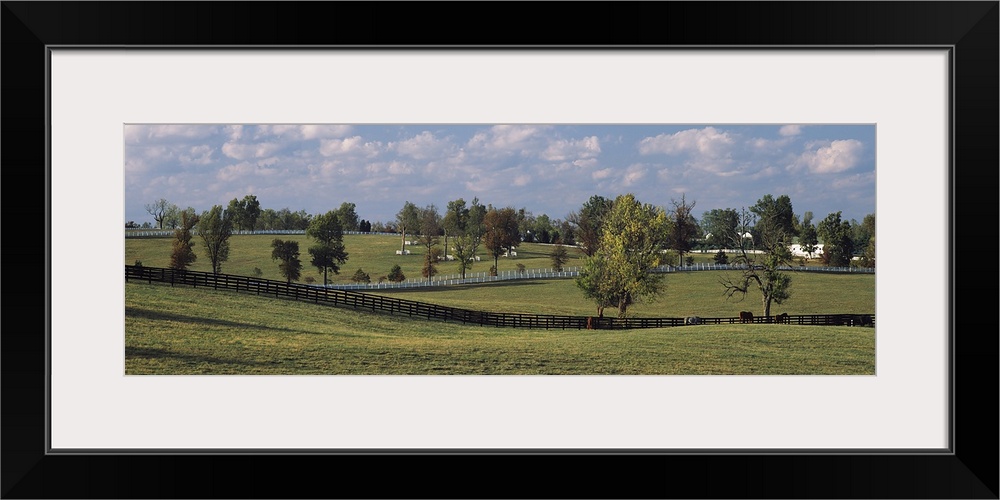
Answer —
854 181
423 146
565 150
236 171
399 168
838 156
324 131
241 151
235 132
198 155
601 174
633 175
349 145
510 139
790 130
706 142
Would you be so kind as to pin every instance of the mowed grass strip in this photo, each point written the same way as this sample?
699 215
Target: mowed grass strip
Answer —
180 330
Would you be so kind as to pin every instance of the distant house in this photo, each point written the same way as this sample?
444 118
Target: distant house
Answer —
798 252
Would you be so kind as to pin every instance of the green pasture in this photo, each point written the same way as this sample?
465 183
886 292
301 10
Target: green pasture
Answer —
180 330
374 254
693 293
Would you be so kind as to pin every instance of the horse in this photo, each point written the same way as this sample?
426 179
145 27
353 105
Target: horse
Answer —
692 320
781 318
746 317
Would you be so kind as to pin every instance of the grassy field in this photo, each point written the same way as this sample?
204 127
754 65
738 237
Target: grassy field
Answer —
695 293
177 330
186 331
374 254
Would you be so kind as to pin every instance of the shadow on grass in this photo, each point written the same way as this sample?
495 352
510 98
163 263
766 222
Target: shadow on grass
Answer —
133 312
153 353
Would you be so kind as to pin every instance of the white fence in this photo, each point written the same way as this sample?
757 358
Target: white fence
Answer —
569 272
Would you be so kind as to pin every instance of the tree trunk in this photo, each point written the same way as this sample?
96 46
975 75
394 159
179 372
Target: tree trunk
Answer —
402 242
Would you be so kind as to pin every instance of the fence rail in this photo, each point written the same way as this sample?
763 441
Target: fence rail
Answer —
392 305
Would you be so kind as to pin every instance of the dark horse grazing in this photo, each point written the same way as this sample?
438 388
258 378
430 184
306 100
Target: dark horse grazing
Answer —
746 317
781 318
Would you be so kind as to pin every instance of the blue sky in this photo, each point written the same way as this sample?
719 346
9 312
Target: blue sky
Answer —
547 169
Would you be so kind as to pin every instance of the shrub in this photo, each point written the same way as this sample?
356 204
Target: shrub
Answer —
309 279
689 260
257 273
721 257
396 274
361 277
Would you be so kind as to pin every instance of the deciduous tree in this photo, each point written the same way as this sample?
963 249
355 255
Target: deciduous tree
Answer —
464 253
348 216
158 209
182 254
683 228
215 226
622 272
407 219
328 254
808 239
430 228
287 253
559 257
588 223
760 260
838 241
501 232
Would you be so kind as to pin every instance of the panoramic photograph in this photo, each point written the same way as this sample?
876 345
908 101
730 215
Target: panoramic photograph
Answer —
499 249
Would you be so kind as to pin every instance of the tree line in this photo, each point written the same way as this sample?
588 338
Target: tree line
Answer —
625 240
622 240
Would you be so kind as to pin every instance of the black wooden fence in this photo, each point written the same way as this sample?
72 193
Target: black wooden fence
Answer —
391 305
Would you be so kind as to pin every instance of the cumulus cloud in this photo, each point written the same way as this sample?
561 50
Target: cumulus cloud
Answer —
604 173
567 150
198 155
707 142
350 146
324 131
161 133
243 151
790 130
510 139
422 146
837 156
633 175
236 171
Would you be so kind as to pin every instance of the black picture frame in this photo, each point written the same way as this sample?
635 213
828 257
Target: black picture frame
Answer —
969 471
